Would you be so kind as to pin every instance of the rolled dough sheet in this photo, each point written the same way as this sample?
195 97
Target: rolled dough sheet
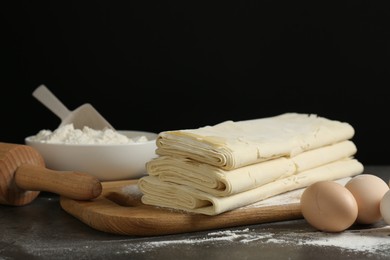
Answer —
220 182
230 145
182 197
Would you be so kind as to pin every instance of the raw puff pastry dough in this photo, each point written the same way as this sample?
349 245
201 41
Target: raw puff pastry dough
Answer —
182 197
218 168
221 182
230 145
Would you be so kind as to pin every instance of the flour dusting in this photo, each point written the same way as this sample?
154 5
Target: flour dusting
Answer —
369 241
289 197
132 191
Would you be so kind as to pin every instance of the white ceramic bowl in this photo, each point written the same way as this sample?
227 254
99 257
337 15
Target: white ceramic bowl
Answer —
108 162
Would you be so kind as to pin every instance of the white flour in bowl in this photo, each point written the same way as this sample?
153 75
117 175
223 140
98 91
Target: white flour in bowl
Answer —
67 134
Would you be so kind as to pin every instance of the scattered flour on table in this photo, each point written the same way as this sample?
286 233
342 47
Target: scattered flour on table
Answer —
370 241
67 134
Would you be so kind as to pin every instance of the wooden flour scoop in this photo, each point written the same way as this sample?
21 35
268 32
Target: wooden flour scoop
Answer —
23 175
84 115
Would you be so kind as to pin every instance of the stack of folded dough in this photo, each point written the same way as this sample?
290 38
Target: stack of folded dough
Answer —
214 169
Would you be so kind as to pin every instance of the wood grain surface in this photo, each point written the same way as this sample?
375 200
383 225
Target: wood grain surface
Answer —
23 175
13 156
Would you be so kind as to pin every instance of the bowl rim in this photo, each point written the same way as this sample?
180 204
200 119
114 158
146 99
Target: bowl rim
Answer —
28 141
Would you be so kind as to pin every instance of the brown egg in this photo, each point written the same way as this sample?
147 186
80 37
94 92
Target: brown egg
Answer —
368 191
329 206
385 207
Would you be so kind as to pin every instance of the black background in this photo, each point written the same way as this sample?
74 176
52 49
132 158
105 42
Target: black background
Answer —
161 65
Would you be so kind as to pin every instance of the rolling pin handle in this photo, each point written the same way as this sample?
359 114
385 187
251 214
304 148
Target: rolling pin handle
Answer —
74 185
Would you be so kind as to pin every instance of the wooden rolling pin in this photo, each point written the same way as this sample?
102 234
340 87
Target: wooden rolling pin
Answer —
23 175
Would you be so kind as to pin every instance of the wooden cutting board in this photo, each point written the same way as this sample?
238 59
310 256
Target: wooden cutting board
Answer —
119 210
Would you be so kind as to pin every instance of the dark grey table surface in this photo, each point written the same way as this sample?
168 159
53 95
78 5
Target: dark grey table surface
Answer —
42 230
